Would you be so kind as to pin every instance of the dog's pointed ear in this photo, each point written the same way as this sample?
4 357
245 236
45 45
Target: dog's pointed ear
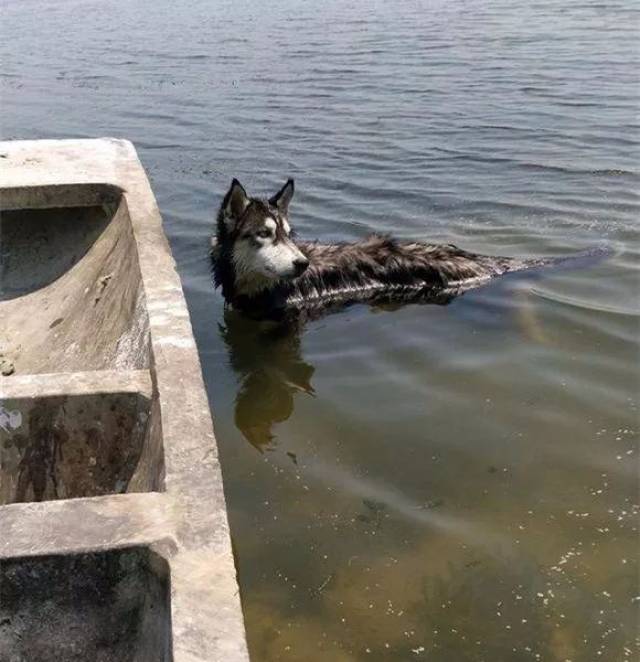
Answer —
283 197
235 202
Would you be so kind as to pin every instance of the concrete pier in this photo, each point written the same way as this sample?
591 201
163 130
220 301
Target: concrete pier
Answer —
114 540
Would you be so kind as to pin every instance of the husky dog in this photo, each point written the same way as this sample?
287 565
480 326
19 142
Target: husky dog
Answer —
266 274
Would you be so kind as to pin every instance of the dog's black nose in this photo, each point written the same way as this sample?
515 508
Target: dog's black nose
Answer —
300 265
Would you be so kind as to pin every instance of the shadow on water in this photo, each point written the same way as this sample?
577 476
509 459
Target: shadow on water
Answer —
267 358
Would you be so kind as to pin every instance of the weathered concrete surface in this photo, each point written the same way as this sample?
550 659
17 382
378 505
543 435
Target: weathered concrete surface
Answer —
118 600
109 475
78 267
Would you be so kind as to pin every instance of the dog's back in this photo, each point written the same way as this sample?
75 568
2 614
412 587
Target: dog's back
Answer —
382 265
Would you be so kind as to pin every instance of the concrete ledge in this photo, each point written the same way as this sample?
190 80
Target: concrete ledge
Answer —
108 461
76 383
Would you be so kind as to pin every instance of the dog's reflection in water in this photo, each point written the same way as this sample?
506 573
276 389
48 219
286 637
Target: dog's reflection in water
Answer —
267 359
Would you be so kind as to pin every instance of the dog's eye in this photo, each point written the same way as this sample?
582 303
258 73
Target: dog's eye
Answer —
264 234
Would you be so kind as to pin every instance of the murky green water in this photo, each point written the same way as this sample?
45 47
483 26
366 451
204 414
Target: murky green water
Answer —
447 483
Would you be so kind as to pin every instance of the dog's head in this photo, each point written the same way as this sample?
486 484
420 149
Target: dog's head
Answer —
254 235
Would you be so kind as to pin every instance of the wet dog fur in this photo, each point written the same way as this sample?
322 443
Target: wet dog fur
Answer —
266 273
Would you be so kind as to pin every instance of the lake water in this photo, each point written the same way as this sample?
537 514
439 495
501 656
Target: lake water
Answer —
447 483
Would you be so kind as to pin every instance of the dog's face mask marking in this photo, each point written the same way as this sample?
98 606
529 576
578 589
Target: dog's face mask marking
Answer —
261 249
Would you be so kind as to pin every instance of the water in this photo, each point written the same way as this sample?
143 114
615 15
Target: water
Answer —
443 483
